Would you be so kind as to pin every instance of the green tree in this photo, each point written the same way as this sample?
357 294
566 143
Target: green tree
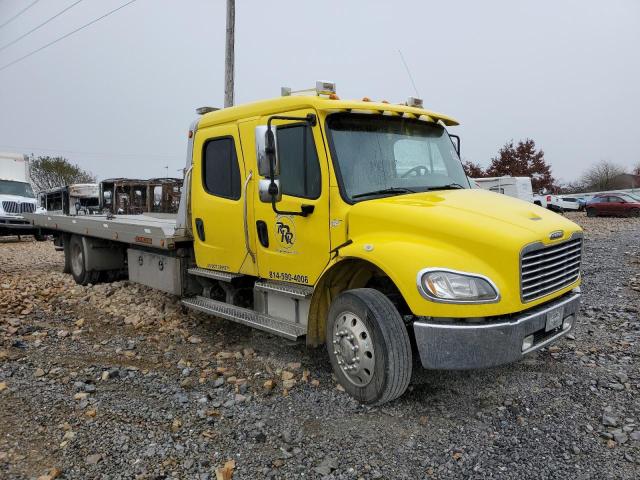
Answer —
52 172
522 160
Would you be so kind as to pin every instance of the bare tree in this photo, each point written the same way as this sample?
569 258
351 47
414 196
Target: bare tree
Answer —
636 169
602 176
52 172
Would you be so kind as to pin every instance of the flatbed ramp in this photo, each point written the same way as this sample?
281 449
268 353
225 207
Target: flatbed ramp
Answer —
158 232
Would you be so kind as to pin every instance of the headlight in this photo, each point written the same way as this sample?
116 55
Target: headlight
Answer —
443 285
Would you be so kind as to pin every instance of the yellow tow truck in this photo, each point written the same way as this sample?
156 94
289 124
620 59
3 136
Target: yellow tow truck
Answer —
349 223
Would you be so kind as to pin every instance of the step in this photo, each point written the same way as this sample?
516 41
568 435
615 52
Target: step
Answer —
267 323
213 274
293 290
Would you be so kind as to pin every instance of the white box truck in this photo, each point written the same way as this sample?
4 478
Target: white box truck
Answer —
517 187
16 196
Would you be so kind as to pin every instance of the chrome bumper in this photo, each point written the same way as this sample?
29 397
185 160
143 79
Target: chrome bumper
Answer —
459 346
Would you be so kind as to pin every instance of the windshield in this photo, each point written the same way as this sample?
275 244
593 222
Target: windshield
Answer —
21 189
380 155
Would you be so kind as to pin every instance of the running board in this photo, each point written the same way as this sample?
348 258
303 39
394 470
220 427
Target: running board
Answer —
263 322
290 289
213 274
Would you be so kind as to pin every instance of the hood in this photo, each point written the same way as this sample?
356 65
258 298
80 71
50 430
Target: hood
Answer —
470 216
16 198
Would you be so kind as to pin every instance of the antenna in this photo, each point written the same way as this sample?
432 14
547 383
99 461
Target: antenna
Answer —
409 73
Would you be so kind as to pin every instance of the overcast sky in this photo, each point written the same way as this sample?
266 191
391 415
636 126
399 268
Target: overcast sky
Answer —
117 97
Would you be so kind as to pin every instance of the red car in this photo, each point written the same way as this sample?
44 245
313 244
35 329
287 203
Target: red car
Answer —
618 204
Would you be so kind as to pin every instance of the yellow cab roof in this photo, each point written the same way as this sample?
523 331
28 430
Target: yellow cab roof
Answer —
288 103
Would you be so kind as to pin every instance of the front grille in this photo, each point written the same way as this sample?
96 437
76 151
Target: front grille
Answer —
11 207
544 270
27 208
15 207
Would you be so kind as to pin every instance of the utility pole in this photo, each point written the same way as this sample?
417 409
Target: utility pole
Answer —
229 54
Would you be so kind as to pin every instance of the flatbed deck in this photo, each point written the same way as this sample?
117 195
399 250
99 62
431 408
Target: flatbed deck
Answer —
151 231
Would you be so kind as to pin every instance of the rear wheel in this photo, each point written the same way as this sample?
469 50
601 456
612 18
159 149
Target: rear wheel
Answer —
592 212
77 263
368 346
40 237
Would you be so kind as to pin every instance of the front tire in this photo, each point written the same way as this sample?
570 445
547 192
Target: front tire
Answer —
635 212
592 212
368 346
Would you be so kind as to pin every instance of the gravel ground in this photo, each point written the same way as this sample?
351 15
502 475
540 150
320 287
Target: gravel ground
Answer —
113 381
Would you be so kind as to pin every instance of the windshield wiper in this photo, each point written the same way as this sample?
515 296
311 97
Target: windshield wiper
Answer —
450 186
384 191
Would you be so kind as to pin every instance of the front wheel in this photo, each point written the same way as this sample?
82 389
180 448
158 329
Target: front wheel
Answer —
592 212
635 212
368 346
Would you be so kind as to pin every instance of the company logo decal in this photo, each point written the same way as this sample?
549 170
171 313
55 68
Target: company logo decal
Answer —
285 232
555 235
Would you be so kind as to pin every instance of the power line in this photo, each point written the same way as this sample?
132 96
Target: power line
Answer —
39 26
19 13
105 154
65 36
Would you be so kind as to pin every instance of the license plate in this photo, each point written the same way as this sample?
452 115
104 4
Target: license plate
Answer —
554 319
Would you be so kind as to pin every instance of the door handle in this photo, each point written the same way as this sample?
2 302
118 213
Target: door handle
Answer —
263 233
200 229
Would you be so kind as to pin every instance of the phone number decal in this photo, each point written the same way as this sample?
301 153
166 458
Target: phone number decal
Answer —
289 277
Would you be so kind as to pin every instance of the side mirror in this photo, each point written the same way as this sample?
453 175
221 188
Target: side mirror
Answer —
263 190
455 139
266 146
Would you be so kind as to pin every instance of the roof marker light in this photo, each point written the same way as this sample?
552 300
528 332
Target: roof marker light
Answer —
203 110
322 88
325 88
414 102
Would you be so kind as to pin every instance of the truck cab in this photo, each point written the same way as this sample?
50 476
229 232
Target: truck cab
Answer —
16 196
361 210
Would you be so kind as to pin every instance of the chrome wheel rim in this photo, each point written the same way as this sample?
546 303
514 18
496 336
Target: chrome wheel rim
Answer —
353 348
77 262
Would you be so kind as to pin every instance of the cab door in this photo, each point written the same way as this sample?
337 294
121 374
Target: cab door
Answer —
294 248
217 203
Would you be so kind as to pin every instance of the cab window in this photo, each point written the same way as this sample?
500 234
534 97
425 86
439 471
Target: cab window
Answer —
299 164
220 170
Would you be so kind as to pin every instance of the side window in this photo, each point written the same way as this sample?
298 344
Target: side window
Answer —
615 200
220 171
299 164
